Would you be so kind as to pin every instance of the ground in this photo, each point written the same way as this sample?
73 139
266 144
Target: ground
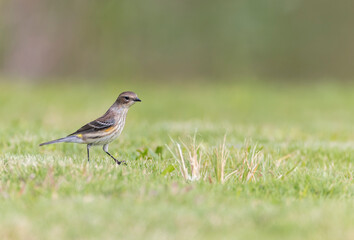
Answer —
275 162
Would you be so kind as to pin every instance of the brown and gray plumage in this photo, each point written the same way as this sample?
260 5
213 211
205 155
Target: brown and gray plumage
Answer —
104 129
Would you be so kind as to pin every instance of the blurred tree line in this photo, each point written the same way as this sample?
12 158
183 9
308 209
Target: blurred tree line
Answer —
285 39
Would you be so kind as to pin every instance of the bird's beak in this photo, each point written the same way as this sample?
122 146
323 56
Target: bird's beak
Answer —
137 100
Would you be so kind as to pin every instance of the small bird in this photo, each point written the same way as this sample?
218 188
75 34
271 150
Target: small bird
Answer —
104 129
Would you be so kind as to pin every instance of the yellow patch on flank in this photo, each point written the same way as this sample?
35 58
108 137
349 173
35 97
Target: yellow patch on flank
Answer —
108 129
79 135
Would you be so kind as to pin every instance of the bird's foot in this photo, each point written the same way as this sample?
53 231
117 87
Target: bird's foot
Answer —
121 162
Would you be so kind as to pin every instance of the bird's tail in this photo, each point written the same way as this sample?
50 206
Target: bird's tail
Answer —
64 139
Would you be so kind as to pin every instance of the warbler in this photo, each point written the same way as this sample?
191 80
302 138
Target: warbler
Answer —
104 129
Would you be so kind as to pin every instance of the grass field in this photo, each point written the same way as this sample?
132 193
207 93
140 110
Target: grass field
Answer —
269 161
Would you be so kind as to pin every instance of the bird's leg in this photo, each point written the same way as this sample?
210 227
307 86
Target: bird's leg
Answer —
88 152
105 148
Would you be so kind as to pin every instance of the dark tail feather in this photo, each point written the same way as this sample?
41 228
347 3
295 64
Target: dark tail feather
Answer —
64 139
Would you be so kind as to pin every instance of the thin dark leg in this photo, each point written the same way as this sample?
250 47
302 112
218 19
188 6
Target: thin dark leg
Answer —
118 162
105 148
88 152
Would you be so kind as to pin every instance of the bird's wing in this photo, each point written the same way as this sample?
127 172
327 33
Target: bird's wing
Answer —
98 124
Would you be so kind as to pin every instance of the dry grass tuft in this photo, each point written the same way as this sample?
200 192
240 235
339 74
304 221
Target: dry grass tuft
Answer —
223 163
189 159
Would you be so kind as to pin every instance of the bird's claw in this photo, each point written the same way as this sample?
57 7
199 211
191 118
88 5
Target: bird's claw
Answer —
121 162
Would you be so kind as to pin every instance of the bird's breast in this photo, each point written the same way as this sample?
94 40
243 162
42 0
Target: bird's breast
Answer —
109 134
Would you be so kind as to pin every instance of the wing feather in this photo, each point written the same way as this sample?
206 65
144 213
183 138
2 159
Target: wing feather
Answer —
99 124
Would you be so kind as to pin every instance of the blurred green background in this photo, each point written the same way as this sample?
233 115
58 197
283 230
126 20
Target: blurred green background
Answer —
176 40
273 76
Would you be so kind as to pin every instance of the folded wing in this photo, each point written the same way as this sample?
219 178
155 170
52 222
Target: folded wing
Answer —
96 125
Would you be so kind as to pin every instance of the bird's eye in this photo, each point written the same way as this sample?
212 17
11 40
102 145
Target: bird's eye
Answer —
126 98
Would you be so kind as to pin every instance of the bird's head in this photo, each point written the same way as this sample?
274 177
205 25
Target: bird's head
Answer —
126 99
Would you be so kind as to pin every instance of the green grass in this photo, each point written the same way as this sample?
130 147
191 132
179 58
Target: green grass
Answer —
284 171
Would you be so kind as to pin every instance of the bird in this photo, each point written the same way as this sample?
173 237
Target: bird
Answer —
104 129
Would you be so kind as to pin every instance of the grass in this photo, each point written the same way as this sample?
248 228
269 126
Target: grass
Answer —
225 161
